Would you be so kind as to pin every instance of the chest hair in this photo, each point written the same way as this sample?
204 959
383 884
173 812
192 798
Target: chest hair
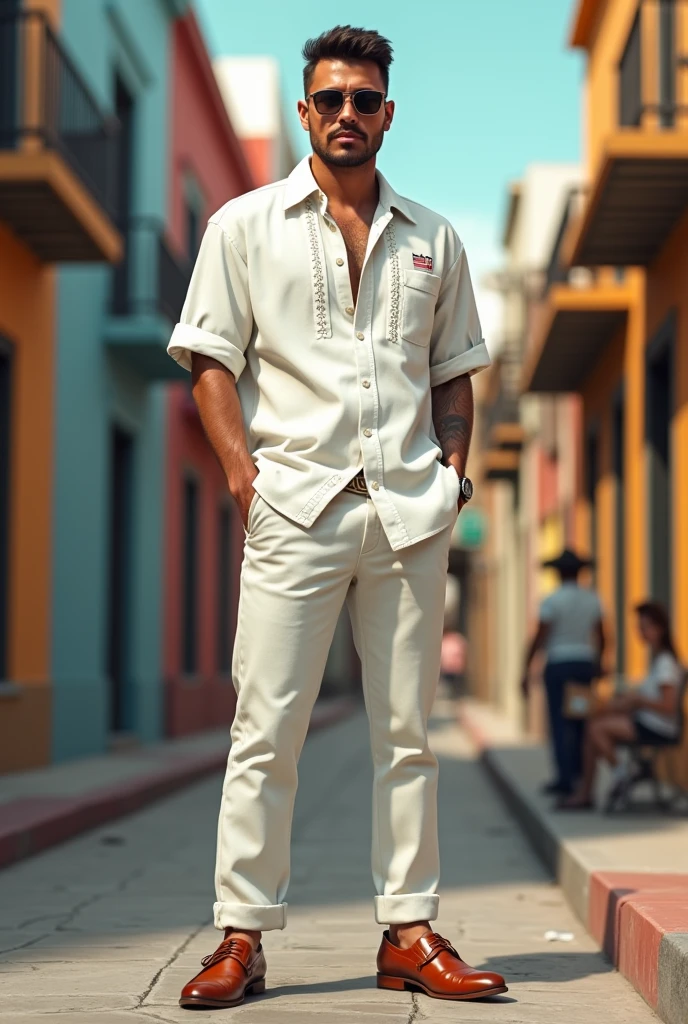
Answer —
355 234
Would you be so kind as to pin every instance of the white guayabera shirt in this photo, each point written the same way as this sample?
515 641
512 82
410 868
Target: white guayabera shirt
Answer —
329 387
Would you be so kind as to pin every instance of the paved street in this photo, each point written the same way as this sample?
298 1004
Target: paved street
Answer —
107 928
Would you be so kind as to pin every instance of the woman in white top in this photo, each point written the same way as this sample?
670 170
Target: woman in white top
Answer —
645 714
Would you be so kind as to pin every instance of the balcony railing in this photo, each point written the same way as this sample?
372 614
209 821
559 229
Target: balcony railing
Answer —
504 407
45 104
151 279
651 68
559 271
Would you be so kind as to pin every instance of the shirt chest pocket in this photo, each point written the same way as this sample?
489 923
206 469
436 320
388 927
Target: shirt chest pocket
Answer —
419 298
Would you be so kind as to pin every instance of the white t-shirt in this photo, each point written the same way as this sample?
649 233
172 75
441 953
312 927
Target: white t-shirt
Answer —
572 613
664 671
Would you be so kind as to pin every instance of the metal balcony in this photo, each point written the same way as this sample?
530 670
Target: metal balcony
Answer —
641 185
580 313
57 149
149 288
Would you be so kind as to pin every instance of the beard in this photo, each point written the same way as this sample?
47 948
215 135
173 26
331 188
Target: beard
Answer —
351 158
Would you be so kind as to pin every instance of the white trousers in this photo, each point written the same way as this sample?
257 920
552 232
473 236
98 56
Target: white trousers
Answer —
294 582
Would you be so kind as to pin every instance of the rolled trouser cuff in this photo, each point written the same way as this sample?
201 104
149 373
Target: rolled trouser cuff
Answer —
420 906
246 916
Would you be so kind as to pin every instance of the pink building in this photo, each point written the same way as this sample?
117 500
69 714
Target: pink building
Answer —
204 537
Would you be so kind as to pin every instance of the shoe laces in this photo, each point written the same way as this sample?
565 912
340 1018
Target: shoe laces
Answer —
438 944
228 948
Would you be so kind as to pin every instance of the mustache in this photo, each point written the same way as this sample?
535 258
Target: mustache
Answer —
345 131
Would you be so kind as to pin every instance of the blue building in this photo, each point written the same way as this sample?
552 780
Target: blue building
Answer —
113 325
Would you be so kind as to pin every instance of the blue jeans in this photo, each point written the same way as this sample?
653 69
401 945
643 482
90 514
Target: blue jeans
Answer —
566 734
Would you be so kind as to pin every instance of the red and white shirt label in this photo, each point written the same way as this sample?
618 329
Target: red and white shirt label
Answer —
422 262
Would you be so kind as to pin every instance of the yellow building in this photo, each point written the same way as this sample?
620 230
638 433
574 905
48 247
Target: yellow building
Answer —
618 335
614 323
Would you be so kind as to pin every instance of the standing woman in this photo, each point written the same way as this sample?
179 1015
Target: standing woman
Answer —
571 631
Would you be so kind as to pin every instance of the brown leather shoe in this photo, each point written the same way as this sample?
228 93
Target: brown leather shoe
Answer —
433 965
233 971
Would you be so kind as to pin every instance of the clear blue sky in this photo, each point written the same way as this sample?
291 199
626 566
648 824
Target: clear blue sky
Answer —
483 87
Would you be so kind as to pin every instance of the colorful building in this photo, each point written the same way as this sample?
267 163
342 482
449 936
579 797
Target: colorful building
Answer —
608 333
525 452
57 145
619 336
203 538
109 435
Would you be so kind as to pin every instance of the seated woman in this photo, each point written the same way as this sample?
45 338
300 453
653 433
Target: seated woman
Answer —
641 715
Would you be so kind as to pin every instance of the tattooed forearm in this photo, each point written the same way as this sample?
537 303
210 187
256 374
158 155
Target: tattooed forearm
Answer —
452 414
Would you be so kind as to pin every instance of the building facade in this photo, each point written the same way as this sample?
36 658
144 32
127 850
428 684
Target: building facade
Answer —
203 533
525 451
56 207
619 336
109 436
609 332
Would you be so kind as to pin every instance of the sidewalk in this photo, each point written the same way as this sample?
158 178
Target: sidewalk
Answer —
625 875
105 929
49 805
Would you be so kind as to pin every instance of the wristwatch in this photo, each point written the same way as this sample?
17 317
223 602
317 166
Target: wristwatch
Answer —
465 488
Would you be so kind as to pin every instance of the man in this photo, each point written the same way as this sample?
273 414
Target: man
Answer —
331 329
571 630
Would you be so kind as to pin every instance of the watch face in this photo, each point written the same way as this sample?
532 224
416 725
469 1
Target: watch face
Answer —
467 488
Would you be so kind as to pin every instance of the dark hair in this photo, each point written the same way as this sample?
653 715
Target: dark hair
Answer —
658 616
346 43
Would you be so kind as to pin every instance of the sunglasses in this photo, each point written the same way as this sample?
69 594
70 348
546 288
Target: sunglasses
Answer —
331 101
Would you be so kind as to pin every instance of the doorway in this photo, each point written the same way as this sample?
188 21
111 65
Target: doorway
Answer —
189 631
658 417
5 449
119 611
592 458
619 467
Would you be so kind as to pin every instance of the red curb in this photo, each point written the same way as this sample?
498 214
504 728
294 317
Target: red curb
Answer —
629 913
644 919
32 824
610 889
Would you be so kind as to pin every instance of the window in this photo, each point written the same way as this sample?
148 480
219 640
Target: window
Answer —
224 583
630 79
189 630
124 179
667 62
5 447
195 206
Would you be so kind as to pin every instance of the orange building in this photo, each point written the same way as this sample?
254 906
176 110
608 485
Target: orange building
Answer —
614 324
55 189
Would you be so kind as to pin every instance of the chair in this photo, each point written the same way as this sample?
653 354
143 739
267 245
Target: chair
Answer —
643 767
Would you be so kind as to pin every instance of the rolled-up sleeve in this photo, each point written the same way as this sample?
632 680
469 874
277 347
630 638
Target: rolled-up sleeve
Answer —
217 319
456 345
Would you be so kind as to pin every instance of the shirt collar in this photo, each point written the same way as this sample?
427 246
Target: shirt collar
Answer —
301 184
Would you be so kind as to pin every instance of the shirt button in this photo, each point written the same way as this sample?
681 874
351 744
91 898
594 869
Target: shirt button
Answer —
333 227
340 261
375 485
350 310
365 383
368 432
360 335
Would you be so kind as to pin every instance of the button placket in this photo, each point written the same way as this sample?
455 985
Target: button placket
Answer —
368 393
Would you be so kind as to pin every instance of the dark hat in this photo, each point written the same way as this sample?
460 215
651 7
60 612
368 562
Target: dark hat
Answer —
568 563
